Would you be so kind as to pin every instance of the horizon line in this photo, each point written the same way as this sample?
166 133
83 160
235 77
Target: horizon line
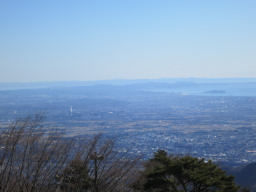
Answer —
129 79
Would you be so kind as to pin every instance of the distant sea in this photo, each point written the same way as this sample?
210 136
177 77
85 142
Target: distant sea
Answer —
214 89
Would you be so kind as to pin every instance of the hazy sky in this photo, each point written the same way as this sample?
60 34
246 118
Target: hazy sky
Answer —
52 40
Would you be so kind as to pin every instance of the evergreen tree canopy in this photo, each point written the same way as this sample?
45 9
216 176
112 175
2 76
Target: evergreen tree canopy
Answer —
165 173
75 177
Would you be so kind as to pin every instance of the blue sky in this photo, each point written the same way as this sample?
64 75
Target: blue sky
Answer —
59 40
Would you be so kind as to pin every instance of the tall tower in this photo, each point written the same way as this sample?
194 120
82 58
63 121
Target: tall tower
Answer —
71 111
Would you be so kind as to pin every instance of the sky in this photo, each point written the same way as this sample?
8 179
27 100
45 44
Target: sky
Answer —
80 40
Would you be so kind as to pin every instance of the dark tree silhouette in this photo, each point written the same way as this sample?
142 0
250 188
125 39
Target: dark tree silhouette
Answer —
75 177
165 173
107 170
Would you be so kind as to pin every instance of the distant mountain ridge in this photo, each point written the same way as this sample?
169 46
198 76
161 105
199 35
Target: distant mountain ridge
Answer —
122 82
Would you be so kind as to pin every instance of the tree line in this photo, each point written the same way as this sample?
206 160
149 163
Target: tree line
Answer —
36 159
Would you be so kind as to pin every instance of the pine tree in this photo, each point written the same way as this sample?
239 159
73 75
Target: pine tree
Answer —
165 173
